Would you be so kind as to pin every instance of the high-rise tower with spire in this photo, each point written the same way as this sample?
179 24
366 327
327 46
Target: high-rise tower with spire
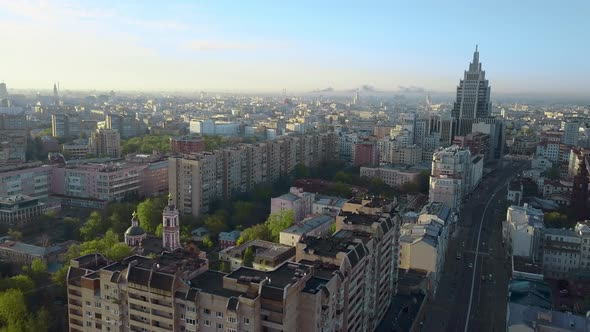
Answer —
473 96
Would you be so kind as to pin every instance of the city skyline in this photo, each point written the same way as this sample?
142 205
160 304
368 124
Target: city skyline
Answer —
303 47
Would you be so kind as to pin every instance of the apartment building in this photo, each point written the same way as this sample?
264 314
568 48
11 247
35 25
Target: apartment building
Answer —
400 155
561 252
363 253
95 184
392 175
30 179
523 232
65 125
267 255
317 226
297 200
423 244
105 142
196 179
75 151
187 144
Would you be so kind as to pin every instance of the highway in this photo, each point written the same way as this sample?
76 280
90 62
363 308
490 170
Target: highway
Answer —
465 302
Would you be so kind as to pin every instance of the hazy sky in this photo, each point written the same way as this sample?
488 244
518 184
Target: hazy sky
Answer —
525 46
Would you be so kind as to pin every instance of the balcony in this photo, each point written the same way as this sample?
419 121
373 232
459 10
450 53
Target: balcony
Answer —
76 322
75 312
75 302
74 292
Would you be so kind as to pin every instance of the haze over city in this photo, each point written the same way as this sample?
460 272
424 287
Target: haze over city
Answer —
530 47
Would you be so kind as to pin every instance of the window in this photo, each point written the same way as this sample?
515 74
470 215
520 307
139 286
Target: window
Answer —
88 314
231 330
88 303
207 311
219 314
232 320
108 308
181 316
220 326
207 322
191 309
191 321
97 304
89 324
246 321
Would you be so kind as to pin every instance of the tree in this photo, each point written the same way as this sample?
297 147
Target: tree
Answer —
256 232
556 220
300 171
277 222
149 213
108 245
248 257
342 189
215 223
14 234
159 230
93 227
224 267
553 173
342 176
21 282
207 243
242 212
71 228
12 306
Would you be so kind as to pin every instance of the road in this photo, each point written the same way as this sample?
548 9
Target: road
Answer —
461 292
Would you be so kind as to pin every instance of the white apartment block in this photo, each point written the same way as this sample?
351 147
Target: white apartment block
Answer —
522 231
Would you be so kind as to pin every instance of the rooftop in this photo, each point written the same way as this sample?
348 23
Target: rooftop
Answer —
536 318
309 224
530 293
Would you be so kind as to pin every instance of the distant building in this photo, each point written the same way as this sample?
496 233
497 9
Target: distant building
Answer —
75 151
128 125
522 232
571 131
64 125
30 179
317 226
187 144
105 142
18 210
394 176
20 253
134 235
228 239
515 191
473 96
297 200
366 154
561 252
477 143
267 255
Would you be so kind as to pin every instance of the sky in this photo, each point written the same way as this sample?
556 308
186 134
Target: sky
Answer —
525 46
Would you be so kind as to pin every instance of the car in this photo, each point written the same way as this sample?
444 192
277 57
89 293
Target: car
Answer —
470 265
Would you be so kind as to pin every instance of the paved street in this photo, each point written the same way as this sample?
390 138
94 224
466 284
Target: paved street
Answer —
461 286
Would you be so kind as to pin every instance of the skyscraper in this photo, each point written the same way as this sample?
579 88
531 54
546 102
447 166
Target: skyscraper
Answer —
3 90
473 93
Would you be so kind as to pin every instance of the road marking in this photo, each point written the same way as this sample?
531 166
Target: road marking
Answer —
477 249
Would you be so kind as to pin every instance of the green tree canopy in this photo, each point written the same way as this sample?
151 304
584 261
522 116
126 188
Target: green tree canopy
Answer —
277 222
109 245
12 306
149 213
93 227
71 227
215 223
21 282
256 232
248 258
